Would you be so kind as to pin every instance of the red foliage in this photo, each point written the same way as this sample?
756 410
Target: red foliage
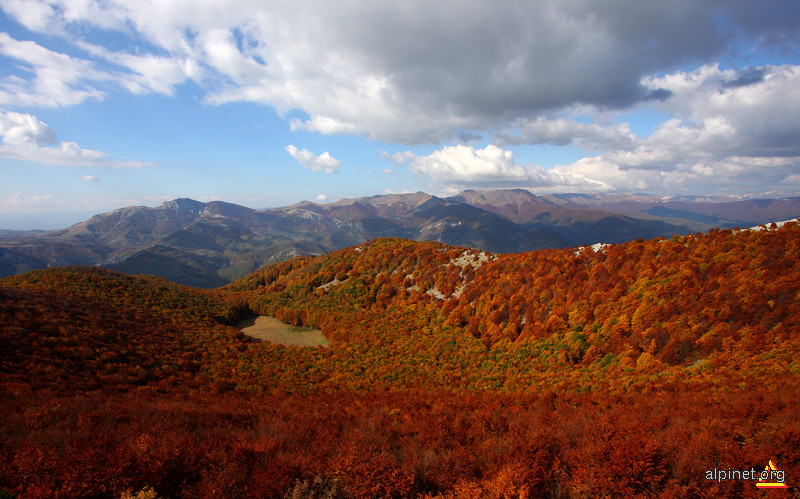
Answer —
452 373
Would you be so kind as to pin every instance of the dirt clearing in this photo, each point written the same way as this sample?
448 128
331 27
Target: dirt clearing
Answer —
271 329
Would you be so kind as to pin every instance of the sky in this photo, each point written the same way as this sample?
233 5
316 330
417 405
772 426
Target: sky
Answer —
106 104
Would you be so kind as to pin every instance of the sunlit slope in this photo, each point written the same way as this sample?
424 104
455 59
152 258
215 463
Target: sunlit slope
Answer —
694 306
717 307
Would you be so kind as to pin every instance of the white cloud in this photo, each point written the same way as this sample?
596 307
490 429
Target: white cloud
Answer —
492 166
321 197
310 161
468 165
399 158
54 17
34 15
18 129
406 72
148 73
729 131
58 79
221 52
713 113
25 137
66 154
732 175
62 80
88 178
19 200
754 117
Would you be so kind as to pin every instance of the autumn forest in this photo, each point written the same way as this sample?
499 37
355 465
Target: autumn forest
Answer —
625 370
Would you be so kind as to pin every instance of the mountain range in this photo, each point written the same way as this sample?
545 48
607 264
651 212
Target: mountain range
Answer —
210 244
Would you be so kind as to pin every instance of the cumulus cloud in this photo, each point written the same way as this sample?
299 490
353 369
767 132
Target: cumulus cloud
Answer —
756 118
25 137
321 197
468 165
88 178
454 168
465 166
739 136
731 130
310 161
18 129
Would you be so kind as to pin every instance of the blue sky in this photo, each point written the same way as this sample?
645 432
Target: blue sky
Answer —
110 104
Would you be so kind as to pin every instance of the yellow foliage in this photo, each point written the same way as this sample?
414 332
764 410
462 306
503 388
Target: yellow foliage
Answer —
145 493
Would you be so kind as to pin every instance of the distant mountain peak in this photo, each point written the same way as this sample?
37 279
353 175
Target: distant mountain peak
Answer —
183 205
496 197
409 198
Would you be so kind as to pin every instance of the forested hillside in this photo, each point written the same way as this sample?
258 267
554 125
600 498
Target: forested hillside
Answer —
717 302
621 370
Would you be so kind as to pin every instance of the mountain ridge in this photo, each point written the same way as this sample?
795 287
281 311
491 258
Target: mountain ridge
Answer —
214 242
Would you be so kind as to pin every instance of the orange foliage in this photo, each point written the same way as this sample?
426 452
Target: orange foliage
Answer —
451 373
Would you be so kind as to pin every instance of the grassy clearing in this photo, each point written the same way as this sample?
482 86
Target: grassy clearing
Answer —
271 329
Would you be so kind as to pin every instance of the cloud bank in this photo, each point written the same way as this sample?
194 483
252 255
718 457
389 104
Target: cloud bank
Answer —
736 131
516 73
396 71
